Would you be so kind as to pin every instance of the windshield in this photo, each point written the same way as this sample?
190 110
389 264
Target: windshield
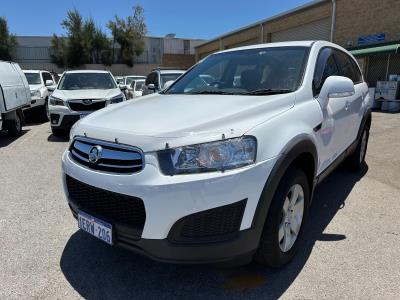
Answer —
261 71
131 79
33 78
86 81
139 85
168 77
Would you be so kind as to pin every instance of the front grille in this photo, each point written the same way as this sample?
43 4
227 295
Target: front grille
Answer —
80 106
111 157
112 207
212 225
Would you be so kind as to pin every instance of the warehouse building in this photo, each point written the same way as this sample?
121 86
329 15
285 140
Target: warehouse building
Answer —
369 28
34 52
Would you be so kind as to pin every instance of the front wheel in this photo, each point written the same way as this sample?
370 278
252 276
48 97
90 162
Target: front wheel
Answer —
58 132
284 225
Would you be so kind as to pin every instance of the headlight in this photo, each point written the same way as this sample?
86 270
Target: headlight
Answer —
56 101
208 157
35 94
117 99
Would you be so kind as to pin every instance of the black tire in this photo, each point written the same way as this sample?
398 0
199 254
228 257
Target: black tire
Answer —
356 160
269 252
58 132
44 112
14 127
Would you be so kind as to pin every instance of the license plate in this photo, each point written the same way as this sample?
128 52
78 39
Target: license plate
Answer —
96 227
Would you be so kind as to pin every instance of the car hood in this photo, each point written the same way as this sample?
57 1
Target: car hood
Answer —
35 87
86 94
152 121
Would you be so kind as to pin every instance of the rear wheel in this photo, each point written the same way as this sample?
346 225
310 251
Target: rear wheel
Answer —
357 159
284 225
14 127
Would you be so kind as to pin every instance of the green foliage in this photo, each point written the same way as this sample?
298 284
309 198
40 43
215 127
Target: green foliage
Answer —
84 43
129 34
8 43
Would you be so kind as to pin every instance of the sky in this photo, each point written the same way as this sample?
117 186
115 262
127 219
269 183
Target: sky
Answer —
203 19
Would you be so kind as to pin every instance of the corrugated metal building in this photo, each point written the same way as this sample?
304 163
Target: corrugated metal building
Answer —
33 50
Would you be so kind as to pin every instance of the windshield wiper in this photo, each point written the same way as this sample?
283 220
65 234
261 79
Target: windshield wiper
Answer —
268 92
211 93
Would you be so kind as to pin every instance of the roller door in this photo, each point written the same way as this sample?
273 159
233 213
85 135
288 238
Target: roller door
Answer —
318 30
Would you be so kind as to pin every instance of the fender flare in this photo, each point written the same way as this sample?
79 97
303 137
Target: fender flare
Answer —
300 145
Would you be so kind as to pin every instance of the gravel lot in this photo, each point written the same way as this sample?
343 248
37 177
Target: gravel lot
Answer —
351 249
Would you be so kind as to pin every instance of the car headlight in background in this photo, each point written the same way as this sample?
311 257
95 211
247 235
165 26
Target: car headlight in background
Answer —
35 94
117 99
56 101
215 156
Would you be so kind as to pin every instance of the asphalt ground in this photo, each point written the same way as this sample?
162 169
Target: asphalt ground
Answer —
351 248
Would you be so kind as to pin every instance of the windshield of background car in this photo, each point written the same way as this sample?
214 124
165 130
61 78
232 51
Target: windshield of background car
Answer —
169 77
86 81
139 85
33 78
278 69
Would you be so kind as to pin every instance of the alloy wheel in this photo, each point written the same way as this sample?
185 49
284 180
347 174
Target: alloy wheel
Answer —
292 218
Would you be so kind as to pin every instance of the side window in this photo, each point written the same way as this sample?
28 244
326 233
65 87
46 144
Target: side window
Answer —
346 66
326 66
151 78
46 76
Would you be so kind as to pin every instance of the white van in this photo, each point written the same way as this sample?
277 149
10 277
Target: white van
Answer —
14 95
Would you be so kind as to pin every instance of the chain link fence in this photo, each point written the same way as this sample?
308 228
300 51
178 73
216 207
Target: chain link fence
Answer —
379 67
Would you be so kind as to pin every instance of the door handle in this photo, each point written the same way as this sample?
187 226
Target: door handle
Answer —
346 106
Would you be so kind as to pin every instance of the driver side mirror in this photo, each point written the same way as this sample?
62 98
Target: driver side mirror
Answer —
151 86
49 83
335 87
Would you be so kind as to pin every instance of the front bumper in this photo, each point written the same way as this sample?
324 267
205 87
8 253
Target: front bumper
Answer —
169 199
37 101
62 117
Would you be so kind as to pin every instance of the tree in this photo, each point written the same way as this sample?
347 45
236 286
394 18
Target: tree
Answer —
85 43
129 34
8 43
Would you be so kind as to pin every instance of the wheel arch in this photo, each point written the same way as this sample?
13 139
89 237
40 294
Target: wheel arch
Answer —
300 152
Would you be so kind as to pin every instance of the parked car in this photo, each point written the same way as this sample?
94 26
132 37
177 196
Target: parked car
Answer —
156 80
135 89
14 95
127 80
217 171
79 93
119 79
41 84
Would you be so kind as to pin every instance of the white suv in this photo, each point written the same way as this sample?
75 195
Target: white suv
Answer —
224 168
40 84
78 94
